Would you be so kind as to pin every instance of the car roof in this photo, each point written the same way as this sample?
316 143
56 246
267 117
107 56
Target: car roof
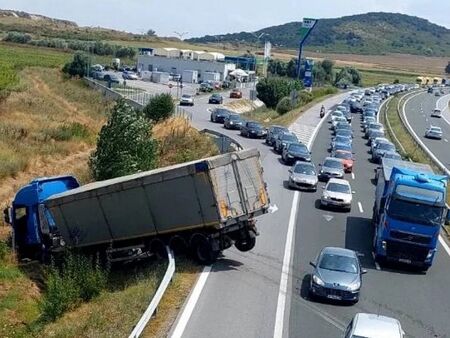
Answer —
332 159
335 250
372 325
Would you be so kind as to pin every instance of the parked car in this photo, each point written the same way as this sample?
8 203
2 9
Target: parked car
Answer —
253 129
436 113
111 78
273 132
236 94
437 93
347 159
337 275
430 90
129 76
215 99
283 140
233 121
380 149
296 152
331 168
219 115
303 176
434 132
98 75
186 100
373 326
205 87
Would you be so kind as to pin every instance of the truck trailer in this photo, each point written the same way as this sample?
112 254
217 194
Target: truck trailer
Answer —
408 212
204 206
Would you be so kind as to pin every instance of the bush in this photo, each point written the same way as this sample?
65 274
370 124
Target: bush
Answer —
78 66
160 107
78 279
272 90
125 144
284 106
17 37
70 131
3 250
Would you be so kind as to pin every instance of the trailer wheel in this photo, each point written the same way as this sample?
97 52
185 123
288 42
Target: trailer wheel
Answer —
246 244
203 251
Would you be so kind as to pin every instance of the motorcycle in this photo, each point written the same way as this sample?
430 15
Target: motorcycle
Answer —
322 113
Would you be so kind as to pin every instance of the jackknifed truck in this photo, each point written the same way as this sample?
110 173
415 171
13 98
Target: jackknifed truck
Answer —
203 206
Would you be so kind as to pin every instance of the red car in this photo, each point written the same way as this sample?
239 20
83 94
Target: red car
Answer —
347 159
236 94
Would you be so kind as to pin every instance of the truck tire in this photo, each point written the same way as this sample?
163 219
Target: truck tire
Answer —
246 244
202 250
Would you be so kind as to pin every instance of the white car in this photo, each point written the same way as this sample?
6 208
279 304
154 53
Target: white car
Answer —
436 113
337 193
130 76
336 114
186 100
341 108
369 325
434 132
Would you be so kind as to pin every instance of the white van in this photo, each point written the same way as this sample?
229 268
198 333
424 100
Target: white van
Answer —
436 113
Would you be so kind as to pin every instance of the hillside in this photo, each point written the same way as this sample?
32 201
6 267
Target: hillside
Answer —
371 33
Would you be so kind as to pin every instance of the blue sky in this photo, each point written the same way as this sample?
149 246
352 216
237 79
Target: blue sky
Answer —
200 17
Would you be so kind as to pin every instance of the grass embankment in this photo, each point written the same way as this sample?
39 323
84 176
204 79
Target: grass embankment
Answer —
375 77
269 116
412 150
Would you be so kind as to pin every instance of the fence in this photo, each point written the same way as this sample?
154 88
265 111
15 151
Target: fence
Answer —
223 142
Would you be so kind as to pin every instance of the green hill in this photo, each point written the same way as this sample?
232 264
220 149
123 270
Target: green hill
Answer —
371 33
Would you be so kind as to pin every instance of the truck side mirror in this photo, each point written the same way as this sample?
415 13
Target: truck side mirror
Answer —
7 215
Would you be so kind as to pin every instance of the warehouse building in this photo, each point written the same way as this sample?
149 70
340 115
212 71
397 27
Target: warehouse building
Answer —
194 66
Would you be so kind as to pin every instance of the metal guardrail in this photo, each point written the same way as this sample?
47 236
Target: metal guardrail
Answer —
388 123
146 316
224 142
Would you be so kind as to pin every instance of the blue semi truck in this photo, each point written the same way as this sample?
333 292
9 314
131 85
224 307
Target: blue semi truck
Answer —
408 212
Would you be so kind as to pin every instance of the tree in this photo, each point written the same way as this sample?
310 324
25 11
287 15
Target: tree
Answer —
272 90
78 66
160 107
125 144
291 68
151 32
347 76
447 69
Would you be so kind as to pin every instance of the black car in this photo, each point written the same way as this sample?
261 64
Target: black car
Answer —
253 130
111 78
215 99
233 121
296 152
273 132
356 107
283 140
219 115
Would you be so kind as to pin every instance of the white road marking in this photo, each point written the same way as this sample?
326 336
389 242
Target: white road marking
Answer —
273 208
444 244
360 207
328 217
192 301
445 140
377 266
281 304
353 175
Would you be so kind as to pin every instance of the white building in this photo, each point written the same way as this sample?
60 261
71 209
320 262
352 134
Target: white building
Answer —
201 62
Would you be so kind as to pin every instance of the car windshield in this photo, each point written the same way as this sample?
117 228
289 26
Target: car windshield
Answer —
338 187
342 139
414 212
222 112
335 164
289 138
254 125
343 155
386 146
186 96
343 126
234 117
375 133
277 130
304 169
339 263
298 148
436 129
344 132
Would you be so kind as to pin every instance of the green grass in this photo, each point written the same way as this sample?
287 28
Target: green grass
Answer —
374 77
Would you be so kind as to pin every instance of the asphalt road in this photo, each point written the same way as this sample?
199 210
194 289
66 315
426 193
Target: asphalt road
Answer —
418 111
240 296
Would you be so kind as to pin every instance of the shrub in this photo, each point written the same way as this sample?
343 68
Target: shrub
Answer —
272 90
78 66
125 144
17 37
3 250
160 107
284 106
70 131
78 279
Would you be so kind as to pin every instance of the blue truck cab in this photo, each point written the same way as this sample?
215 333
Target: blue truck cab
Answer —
33 227
408 212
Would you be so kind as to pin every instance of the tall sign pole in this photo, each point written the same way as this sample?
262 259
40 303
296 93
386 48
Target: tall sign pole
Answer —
308 25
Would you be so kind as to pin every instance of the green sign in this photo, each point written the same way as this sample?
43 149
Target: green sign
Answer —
307 25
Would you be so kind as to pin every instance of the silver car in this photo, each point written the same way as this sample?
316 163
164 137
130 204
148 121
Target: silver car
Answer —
373 326
303 175
434 132
337 194
332 167
337 275
186 100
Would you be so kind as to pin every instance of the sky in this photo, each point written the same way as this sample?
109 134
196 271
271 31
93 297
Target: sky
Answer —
194 18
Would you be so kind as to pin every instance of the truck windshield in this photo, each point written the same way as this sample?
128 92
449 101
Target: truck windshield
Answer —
415 212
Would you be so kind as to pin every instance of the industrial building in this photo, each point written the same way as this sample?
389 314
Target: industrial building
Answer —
193 66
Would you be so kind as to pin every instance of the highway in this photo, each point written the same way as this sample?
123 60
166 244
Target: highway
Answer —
241 295
418 110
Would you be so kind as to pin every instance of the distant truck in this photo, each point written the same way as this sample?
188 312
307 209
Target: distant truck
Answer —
204 206
408 212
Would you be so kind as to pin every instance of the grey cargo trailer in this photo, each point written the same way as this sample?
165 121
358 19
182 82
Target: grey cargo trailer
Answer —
208 205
